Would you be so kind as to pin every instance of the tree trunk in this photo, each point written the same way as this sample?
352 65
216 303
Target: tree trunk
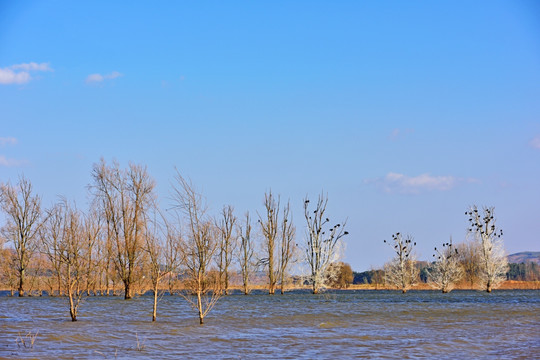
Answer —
21 283
127 290
154 313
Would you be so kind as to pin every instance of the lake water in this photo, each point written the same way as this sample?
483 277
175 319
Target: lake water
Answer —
349 324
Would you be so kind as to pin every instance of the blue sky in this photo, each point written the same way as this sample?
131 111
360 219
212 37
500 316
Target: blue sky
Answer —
405 113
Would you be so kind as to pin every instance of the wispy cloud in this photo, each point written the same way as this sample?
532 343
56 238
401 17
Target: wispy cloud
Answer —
400 133
535 143
395 182
7 141
11 162
98 78
20 73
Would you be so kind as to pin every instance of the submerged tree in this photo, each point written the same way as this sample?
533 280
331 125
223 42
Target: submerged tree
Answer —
23 222
246 253
73 256
323 246
288 246
446 270
269 226
401 271
227 245
125 198
199 248
493 263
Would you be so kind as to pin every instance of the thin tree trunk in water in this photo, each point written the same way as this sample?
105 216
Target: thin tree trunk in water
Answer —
199 305
154 314
21 283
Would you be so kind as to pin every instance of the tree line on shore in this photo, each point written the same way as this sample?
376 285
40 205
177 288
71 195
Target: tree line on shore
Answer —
125 242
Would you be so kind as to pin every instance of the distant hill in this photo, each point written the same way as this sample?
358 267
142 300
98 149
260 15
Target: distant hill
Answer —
525 257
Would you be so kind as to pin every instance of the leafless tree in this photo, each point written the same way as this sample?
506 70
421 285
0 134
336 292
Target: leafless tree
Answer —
23 222
227 244
401 271
288 246
493 264
162 245
246 253
72 259
92 231
324 246
51 234
125 197
469 259
270 230
200 247
446 270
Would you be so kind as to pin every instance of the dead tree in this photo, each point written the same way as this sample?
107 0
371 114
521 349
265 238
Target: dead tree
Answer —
162 246
23 222
246 253
125 197
446 270
227 245
288 246
401 271
200 246
324 245
493 263
469 260
270 227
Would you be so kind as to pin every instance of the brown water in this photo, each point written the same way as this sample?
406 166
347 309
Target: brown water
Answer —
361 324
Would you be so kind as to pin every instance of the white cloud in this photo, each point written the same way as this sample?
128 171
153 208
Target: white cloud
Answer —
535 143
394 182
10 162
400 133
7 141
97 78
20 73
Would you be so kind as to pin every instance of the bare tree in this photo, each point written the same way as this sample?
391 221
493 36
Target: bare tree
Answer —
288 246
125 197
401 271
469 260
23 222
324 245
269 226
227 244
246 253
199 248
163 256
493 264
51 234
72 250
446 270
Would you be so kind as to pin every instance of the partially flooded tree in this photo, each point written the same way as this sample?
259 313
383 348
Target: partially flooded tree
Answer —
401 271
270 227
324 245
199 248
343 275
469 261
51 234
246 253
288 246
227 245
125 197
493 263
446 270
162 244
23 222
73 256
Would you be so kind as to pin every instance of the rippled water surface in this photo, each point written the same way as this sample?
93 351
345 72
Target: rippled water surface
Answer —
361 324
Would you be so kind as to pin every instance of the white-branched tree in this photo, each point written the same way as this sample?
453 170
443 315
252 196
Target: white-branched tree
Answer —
246 253
446 270
493 263
227 244
323 245
401 272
